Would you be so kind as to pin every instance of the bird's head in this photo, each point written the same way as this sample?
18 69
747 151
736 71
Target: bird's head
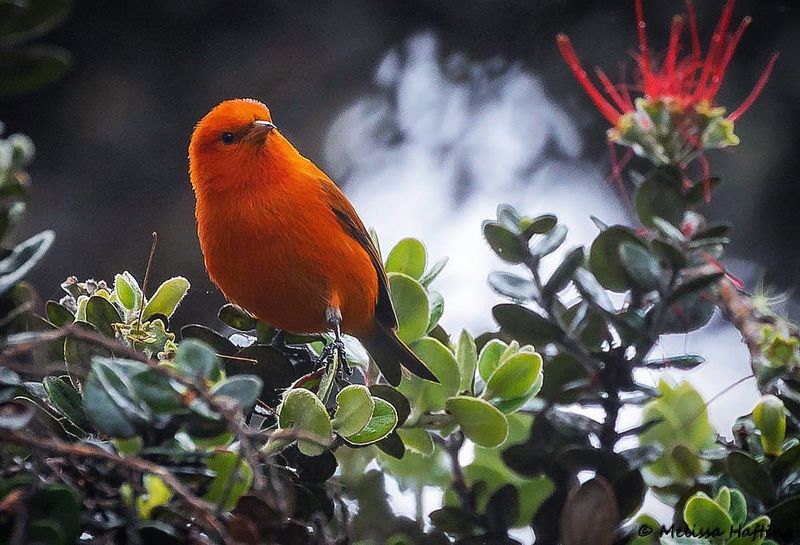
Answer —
230 139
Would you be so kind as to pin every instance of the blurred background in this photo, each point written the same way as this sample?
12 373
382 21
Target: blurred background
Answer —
427 112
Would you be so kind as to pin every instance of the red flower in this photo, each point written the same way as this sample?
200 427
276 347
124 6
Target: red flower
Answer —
683 81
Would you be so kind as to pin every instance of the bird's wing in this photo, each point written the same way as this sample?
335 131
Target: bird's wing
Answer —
352 225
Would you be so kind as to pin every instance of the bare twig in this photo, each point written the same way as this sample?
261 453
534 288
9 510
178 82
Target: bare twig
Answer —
153 246
204 510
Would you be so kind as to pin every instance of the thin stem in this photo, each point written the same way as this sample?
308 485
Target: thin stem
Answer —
453 447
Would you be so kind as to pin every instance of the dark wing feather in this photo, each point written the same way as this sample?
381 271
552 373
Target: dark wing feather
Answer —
351 223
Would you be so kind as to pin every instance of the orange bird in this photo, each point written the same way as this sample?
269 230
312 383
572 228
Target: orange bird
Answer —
282 241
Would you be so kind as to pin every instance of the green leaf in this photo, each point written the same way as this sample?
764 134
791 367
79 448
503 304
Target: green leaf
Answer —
243 388
441 361
515 377
233 478
220 344
737 508
669 253
784 514
683 362
166 298
197 360
354 406
605 260
408 257
643 268
59 507
525 325
58 314
786 464
467 359
237 318
505 243
490 357
592 291
67 400
26 255
411 305
127 291
660 196
672 233
23 70
381 423
510 285
431 274
703 512
303 411
751 477
102 314
694 285
24 21
452 520
696 196
480 421
157 391
753 533
538 225
398 400
688 313
109 401
417 440
78 353
563 273
550 243
437 309
508 216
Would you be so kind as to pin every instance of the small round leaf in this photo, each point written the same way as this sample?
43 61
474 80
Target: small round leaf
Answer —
480 421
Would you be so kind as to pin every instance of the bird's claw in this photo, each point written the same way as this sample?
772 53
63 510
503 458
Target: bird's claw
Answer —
331 350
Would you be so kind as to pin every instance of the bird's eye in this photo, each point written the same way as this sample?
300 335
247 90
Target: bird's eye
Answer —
227 138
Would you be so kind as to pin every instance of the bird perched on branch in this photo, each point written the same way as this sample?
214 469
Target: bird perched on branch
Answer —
281 240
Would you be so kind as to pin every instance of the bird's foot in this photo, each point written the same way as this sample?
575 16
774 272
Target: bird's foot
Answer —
335 349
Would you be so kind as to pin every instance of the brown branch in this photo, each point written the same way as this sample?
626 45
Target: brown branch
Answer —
204 510
739 310
231 413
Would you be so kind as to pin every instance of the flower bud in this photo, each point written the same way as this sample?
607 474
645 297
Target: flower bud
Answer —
770 418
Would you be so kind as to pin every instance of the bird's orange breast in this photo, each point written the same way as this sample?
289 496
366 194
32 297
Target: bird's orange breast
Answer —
273 246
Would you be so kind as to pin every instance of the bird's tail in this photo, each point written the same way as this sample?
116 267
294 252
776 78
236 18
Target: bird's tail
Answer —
389 353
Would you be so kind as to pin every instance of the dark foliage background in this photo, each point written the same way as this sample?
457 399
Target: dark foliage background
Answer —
112 135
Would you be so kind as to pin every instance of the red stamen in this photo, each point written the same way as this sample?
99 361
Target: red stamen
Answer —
611 90
644 59
623 76
717 42
760 84
568 52
696 50
672 52
719 73
735 280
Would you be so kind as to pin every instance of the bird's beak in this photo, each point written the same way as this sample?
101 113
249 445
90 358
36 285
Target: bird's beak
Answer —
259 129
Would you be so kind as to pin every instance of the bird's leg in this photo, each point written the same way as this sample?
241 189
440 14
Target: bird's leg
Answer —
334 318
279 342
